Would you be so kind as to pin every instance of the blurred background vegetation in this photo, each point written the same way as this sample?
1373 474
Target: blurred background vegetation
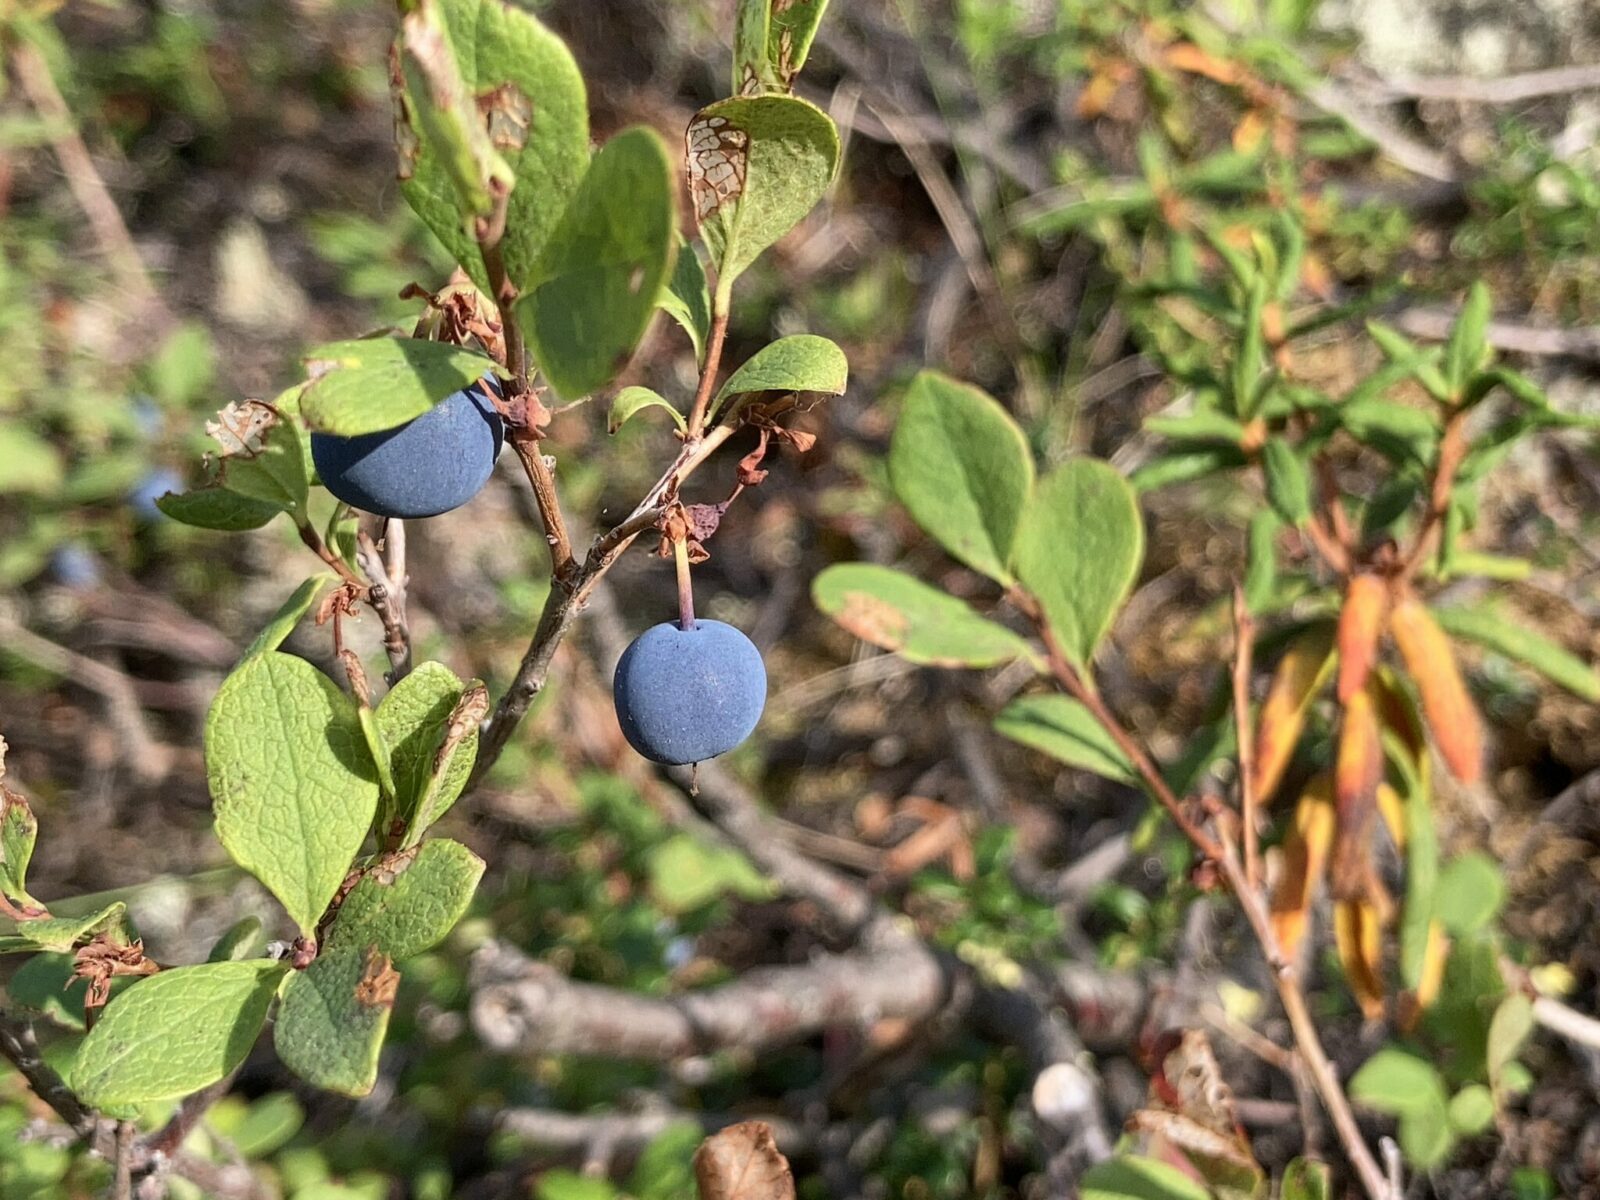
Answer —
1014 176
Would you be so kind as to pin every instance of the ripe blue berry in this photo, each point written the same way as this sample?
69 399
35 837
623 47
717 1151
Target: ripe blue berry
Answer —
684 696
423 468
142 499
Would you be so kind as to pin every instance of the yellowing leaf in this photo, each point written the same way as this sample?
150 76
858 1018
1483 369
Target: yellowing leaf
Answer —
1299 674
1360 622
1357 771
1305 854
1359 937
1452 717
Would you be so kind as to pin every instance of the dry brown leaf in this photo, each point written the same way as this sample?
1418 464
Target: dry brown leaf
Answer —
1305 859
1360 622
1357 772
743 1162
1452 717
1283 713
1358 933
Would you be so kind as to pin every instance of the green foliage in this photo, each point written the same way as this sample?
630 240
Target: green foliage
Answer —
1133 1178
377 383
600 275
175 1033
922 624
428 726
1066 731
295 794
333 1017
963 470
632 400
801 362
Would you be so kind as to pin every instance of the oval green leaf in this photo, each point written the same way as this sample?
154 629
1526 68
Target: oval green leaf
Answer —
293 784
174 1033
631 401
408 903
1078 551
757 166
801 362
217 508
961 466
372 384
1065 730
331 1023
598 281
530 94
895 612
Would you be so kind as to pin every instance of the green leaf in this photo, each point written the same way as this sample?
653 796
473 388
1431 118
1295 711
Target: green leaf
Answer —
333 1017
687 297
802 362
1203 425
1250 358
961 466
1261 569
1065 730
217 508
1469 893
443 114
282 624
243 940
789 36
293 784
1393 1081
531 95
1509 1028
1132 1178
1426 1138
48 984
63 933
1395 429
1472 1110
174 1033
562 1184
1403 353
757 166
407 903
1078 551
269 1124
19 829
1468 348
752 73
1288 481
1306 1179
631 401
373 384
595 287
1185 465
29 463
1513 638
264 454
894 611
686 873
429 721
1422 876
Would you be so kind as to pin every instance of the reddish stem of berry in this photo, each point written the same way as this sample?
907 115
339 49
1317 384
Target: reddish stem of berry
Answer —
680 555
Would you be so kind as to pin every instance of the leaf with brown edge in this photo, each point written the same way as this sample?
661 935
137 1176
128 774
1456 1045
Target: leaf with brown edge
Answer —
1305 859
1360 622
1392 807
1414 1004
1357 772
742 1162
1452 717
1295 682
1358 934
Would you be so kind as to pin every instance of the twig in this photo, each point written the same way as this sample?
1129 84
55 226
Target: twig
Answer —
387 595
1466 89
629 1132
1399 147
1452 450
1395 1176
1250 903
562 564
314 543
1568 1022
19 1047
708 375
1244 634
1538 341
88 189
122 1184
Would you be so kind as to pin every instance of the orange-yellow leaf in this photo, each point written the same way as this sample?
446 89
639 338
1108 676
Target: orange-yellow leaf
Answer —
1393 809
1452 717
1359 937
1434 955
1250 131
1299 674
1360 622
1357 772
1186 56
1305 858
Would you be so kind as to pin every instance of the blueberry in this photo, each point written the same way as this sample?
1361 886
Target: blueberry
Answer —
423 468
74 566
142 499
683 696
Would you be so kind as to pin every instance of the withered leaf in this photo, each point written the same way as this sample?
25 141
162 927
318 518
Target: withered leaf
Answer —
743 1162
1358 934
1305 858
1452 717
1283 714
1360 623
1357 771
379 982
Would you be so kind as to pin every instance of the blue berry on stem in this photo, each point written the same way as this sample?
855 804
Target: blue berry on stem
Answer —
425 467
686 695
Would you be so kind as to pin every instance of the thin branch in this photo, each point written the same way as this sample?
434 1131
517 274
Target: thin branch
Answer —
1321 1069
562 564
1400 147
314 543
19 1047
1467 89
88 189
387 594
708 375
1452 450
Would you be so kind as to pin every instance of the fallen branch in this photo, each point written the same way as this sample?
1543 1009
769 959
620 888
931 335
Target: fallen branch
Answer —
1467 89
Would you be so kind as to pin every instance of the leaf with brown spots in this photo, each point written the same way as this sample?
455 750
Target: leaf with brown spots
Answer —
1360 623
743 1162
1295 683
1357 771
1305 859
1452 717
